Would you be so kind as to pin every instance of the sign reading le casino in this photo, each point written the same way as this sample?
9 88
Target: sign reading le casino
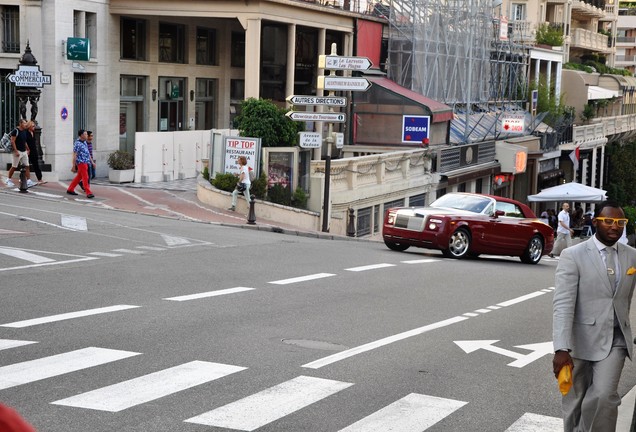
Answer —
29 76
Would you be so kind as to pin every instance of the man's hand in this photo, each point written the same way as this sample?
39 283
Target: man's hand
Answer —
561 358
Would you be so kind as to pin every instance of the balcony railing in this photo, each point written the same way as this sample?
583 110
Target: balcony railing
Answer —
589 40
622 40
589 8
624 60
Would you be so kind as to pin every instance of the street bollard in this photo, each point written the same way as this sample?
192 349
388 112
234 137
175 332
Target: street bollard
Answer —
251 217
23 180
351 226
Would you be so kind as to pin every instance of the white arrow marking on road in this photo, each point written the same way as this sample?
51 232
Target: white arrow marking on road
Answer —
174 241
538 350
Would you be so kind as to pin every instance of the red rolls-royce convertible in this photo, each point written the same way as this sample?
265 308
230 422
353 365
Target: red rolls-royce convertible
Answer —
467 225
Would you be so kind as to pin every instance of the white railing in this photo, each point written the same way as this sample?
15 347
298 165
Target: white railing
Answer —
590 40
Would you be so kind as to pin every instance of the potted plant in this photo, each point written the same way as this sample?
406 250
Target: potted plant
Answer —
122 167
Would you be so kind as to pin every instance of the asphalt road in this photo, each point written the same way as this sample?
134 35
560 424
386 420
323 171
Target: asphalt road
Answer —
118 321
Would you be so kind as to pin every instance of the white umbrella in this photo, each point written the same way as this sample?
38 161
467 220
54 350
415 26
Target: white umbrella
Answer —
569 192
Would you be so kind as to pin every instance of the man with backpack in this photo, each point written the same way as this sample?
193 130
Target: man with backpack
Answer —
20 151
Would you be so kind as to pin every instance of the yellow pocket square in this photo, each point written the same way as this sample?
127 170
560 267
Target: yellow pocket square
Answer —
631 271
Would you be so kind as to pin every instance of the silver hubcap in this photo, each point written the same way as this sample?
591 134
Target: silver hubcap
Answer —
535 249
459 243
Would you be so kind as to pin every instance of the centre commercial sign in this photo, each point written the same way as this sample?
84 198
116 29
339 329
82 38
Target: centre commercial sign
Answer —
29 76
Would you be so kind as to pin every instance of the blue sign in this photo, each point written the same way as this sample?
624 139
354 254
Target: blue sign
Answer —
64 113
415 128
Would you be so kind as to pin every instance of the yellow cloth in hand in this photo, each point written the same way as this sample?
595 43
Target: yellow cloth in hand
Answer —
565 379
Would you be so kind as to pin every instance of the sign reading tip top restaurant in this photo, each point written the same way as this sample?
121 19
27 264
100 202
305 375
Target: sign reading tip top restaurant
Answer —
29 76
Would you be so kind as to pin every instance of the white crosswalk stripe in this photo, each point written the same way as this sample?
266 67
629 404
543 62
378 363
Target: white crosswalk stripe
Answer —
534 422
60 364
118 397
8 343
270 404
413 413
67 316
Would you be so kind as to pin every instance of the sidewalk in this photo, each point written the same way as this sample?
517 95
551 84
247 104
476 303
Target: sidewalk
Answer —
174 199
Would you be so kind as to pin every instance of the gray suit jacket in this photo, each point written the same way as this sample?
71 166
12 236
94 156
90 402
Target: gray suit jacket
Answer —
584 302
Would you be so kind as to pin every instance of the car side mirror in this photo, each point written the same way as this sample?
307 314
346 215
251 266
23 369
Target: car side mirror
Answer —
498 213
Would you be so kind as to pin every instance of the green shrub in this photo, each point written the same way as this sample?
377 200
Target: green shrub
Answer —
299 199
121 160
259 186
226 182
549 35
589 112
263 119
206 173
279 194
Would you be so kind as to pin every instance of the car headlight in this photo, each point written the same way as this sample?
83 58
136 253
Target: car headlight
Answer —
434 224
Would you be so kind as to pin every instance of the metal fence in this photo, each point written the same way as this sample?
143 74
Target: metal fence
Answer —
9 113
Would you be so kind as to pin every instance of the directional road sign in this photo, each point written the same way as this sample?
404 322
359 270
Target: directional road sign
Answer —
310 139
332 62
334 101
318 117
343 83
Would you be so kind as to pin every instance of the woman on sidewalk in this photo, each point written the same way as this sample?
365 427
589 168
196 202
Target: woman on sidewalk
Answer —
243 182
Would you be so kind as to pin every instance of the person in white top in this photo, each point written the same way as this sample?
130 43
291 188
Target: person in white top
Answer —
564 232
244 179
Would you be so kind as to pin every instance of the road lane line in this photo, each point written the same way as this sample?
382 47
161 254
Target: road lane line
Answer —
8 343
209 294
317 364
420 261
521 299
152 248
483 311
26 256
381 342
413 413
259 409
67 316
60 364
127 394
105 254
535 422
369 267
130 251
302 278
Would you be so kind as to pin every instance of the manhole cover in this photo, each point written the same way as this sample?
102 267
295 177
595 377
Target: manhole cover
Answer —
313 344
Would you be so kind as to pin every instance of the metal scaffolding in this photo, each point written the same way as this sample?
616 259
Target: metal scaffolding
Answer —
453 51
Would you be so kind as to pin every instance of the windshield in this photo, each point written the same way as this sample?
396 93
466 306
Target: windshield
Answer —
471 203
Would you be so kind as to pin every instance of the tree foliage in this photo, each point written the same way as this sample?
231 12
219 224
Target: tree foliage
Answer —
260 118
621 185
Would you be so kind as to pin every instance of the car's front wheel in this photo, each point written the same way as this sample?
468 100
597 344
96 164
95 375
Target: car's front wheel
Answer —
396 246
458 244
532 254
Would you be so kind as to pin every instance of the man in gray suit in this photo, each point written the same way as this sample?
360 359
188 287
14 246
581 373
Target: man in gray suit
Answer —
591 331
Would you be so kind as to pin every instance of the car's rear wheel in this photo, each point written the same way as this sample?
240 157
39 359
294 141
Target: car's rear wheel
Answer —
396 246
532 254
458 244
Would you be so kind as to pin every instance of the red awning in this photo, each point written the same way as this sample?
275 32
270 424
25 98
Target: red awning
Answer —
441 112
